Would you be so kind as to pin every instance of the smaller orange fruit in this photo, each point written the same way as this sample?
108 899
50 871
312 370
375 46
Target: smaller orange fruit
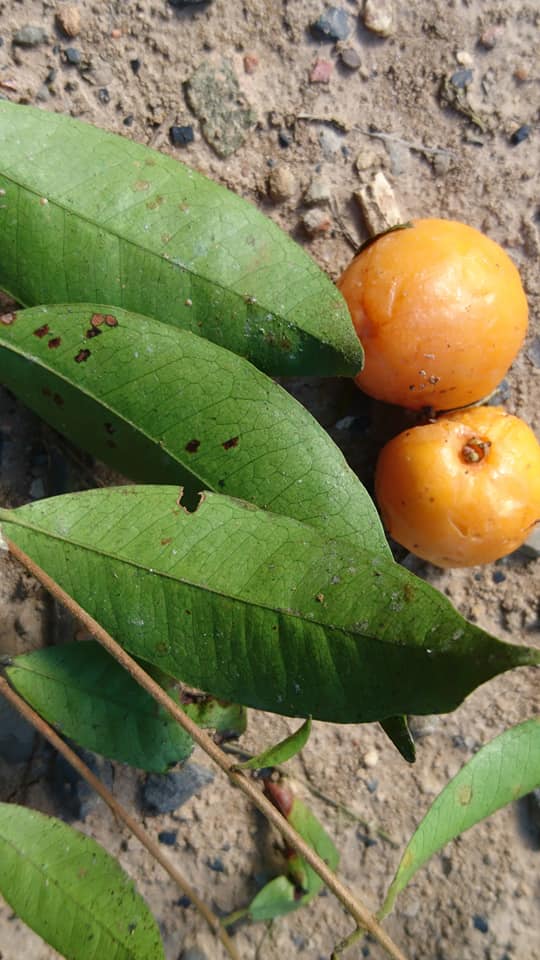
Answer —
462 490
440 311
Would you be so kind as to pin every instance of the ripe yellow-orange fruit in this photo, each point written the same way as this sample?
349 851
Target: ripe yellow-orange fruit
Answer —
462 490
440 311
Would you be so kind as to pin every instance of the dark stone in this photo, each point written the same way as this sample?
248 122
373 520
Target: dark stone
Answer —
333 24
16 735
520 134
129 120
168 837
74 797
284 138
533 351
183 901
214 95
73 56
480 923
498 576
135 65
350 58
461 78
181 136
30 36
104 95
372 785
163 793
217 865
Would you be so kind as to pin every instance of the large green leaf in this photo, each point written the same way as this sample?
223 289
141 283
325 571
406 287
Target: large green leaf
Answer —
258 608
88 696
505 769
71 892
87 215
165 406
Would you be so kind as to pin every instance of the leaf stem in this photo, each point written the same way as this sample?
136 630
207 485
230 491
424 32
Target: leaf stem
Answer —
118 810
363 917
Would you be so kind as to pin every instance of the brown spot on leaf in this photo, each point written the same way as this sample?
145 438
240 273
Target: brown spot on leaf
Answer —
54 343
92 332
109 428
82 356
141 185
97 319
58 400
46 392
233 442
111 320
155 203
464 794
42 331
320 598
8 318
165 541
193 446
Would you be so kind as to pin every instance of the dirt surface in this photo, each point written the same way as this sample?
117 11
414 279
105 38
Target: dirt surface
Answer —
447 150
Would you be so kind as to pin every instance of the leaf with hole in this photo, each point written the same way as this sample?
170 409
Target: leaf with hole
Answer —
258 608
71 892
87 696
503 770
87 215
280 752
164 406
219 715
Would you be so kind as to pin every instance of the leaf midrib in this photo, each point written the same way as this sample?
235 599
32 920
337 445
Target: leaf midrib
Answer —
160 257
33 528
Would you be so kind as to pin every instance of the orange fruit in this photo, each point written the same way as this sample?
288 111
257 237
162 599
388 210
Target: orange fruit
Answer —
440 311
462 490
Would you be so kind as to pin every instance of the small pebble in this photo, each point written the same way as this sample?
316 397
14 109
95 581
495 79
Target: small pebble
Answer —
333 24
181 136
30 36
316 222
135 65
321 71
163 793
216 864
521 74
378 16
520 134
350 58
68 19
372 786
284 139
251 62
318 192
73 56
370 758
461 78
129 120
480 923
104 95
533 352
281 184
464 58
168 837
498 576
488 39
366 159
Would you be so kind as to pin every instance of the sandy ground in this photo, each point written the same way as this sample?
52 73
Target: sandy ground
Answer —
438 163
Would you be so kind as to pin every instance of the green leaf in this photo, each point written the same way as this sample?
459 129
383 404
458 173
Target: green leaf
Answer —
164 406
87 215
301 884
218 715
397 729
71 892
258 608
502 771
86 695
280 752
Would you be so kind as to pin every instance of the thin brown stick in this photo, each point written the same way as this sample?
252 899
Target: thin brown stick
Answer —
118 810
363 917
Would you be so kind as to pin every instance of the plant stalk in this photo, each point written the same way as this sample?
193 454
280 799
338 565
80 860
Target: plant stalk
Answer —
118 810
363 917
